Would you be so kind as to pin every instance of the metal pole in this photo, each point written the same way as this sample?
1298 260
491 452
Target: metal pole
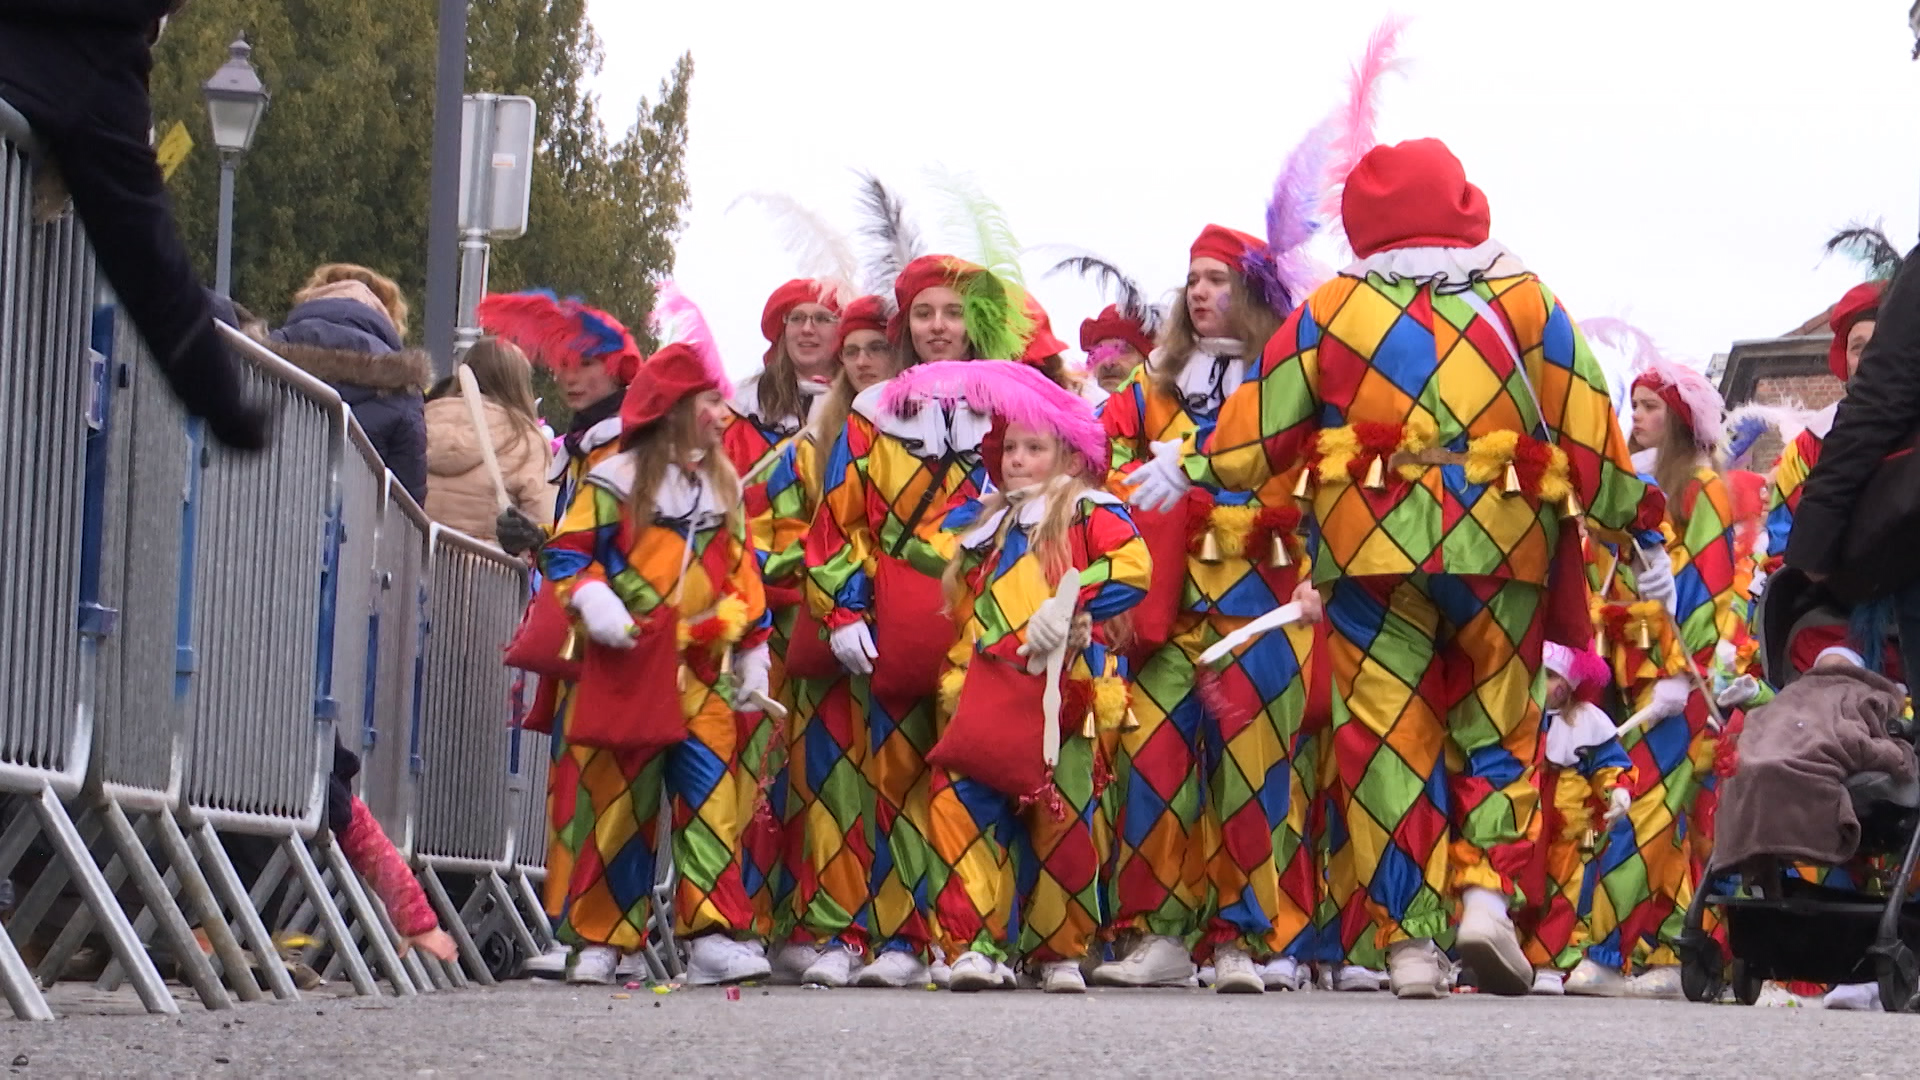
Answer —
443 211
223 251
473 241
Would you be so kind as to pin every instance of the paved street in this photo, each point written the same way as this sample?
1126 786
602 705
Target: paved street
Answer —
544 1029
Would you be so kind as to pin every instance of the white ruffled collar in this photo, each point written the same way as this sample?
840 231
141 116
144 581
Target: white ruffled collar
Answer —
1031 511
1447 269
746 404
592 439
929 433
1580 726
1213 371
683 498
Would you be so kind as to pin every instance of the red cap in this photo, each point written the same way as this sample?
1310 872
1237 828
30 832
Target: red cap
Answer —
1111 325
669 376
1041 344
773 317
926 272
1412 194
1861 302
1224 244
866 313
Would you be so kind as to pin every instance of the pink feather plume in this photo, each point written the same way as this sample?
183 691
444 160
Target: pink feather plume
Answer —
1014 392
677 320
1353 124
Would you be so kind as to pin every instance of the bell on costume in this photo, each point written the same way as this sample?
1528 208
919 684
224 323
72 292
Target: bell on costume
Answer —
1129 722
1512 484
1645 635
1377 475
570 648
1209 548
1570 506
1277 558
726 662
1090 727
1303 487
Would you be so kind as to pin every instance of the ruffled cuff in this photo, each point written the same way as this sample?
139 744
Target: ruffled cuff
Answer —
840 617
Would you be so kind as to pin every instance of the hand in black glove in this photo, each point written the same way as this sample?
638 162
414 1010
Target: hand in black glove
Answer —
516 533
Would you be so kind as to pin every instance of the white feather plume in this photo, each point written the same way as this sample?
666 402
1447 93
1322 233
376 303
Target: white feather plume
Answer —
820 251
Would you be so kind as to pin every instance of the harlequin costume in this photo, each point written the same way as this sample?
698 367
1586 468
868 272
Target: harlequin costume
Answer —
1582 764
1645 874
753 442
887 478
1209 811
690 581
1019 835
827 842
1452 415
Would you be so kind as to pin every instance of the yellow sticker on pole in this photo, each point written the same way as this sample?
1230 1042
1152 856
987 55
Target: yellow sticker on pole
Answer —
173 149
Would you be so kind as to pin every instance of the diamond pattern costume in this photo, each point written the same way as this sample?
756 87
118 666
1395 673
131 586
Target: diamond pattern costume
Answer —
1447 418
1552 926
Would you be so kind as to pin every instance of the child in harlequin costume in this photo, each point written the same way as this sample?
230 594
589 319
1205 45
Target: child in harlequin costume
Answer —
828 847
800 322
886 478
654 560
1663 617
1015 792
1453 415
1583 790
1203 810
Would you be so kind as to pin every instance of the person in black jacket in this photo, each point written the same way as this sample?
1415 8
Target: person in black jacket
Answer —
77 71
1880 411
341 334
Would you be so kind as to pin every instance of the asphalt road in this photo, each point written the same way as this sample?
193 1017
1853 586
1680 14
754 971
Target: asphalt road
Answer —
545 1029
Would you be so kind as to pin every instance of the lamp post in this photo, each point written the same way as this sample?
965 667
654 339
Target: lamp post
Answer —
235 102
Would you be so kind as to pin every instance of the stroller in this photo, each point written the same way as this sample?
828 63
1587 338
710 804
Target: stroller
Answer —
1782 927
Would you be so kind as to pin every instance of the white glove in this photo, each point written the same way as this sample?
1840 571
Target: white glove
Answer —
606 617
1160 482
1619 801
1669 699
750 673
1739 692
1759 586
852 645
1654 576
1047 630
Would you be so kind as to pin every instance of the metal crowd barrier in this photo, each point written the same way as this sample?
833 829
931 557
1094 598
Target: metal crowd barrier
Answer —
185 635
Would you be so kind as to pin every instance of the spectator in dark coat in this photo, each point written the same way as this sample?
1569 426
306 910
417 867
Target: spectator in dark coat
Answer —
77 71
340 333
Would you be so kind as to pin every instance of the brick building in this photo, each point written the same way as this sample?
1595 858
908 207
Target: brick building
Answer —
1790 369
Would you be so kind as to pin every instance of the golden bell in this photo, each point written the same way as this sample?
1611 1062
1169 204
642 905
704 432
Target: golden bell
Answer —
1377 475
1303 487
1645 638
1090 727
570 648
1570 506
726 662
1600 641
1278 559
1209 548
1512 485
1589 842
680 680
1129 722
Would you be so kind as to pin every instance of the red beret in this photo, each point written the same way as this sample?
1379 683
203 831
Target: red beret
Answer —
1861 302
926 272
1224 244
1110 324
773 317
1041 343
866 313
1412 194
669 376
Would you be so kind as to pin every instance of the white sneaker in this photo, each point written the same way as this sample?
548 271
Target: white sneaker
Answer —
1549 983
895 969
792 961
1283 973
1158 961
1861 997
1063 977
1418 970
1589 979
1204 977
593 965
836 968
713 959
1236 973
973 971
1489 945
1009 979
1353 979
633 965
551 964
1661 982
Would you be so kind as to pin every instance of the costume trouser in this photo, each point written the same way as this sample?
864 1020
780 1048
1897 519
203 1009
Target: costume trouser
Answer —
1157 877
899 734
1552 926
605 809
1436 724
765 798
1025 879
1260 786
829 849
1646 872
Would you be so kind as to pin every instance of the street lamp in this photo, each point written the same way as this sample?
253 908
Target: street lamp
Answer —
235 102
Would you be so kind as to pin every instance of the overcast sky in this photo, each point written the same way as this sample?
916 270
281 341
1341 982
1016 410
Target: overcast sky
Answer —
1675 162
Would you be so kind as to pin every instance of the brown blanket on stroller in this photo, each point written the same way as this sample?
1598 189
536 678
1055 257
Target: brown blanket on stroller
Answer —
1788 796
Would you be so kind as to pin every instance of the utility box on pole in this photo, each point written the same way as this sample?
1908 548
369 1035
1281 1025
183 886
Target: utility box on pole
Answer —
496 186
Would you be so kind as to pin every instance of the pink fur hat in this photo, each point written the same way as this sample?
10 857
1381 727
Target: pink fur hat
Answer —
1584 670
1015 393
1689 396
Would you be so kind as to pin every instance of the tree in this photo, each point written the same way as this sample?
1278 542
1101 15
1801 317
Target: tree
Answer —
339 170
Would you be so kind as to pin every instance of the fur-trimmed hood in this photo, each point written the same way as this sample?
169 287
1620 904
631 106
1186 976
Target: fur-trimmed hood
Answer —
346 343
